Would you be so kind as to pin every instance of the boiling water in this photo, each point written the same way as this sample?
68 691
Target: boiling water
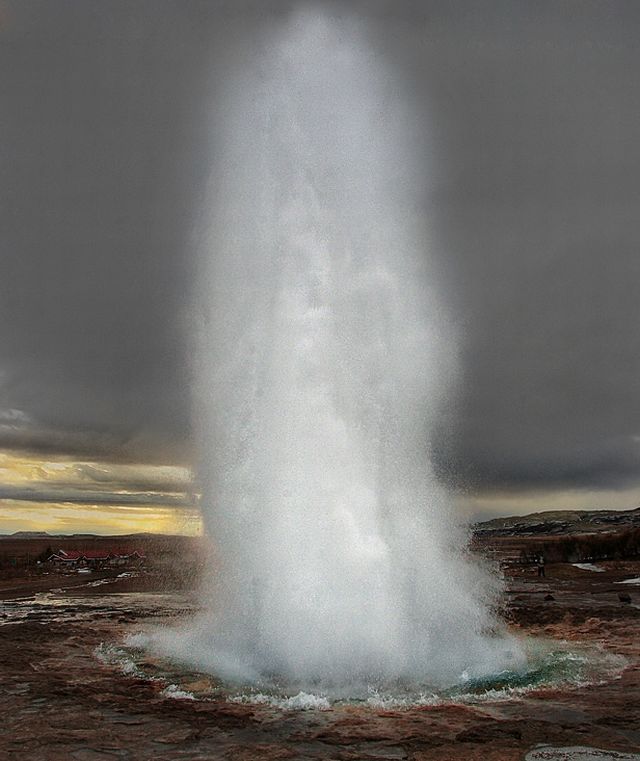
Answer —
324 354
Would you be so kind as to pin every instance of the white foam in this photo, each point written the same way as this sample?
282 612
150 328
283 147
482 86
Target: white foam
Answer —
174 692
115 656
303 701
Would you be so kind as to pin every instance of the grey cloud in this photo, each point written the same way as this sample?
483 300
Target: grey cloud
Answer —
117 480
118 442
101 166
534 204
43 492
604 465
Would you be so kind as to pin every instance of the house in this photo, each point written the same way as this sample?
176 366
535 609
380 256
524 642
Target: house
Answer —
127 557
96 558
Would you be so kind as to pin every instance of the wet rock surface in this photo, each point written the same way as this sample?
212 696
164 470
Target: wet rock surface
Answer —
61 701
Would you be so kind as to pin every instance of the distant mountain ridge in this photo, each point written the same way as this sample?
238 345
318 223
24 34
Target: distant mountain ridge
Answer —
47 535
550 522
560 522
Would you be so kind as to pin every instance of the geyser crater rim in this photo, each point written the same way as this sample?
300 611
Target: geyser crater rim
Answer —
550 664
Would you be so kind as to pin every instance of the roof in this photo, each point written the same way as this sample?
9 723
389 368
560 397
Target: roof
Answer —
87 554
96 554
127 552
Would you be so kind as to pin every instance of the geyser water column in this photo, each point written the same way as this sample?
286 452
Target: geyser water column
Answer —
322 359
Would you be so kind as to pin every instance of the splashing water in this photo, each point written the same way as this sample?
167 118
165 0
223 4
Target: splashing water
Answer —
549 664
324 354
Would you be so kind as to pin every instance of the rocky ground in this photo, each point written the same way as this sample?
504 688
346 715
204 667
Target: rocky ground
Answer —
58 700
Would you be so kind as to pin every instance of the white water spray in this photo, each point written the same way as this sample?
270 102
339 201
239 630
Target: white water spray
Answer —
323 360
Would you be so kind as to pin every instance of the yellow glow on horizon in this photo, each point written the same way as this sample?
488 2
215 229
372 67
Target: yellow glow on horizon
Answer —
64 484
61 518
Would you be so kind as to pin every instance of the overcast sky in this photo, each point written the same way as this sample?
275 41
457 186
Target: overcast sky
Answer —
533 110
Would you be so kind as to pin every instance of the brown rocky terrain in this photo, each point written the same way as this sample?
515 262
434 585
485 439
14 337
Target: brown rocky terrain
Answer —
59 700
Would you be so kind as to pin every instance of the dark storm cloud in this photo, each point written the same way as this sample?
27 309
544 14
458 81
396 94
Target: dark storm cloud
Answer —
42 492
102 134
535 201
532 200
612 464
113 479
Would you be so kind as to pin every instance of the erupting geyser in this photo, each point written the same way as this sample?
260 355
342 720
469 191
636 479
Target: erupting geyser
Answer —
323 356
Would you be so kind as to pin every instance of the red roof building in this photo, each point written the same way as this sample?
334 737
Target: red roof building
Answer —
96 558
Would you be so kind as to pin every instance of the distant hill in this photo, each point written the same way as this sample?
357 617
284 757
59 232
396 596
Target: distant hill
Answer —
91 537
556 522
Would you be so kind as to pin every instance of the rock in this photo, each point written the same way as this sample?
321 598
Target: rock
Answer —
578 753
175 737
